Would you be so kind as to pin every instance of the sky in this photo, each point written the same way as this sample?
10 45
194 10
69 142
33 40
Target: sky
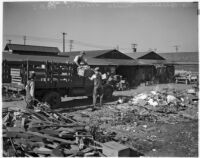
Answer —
93 26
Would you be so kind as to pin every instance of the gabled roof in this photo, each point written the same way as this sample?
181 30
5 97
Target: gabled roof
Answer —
181 56
89 53
104 54
100 61
19 57
145 55
31 48
61 59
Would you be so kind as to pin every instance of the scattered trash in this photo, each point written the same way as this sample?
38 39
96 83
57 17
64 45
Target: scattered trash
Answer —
171 99
191 91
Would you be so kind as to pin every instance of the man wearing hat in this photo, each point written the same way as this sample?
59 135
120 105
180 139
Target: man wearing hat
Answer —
98 87
80 60
30 91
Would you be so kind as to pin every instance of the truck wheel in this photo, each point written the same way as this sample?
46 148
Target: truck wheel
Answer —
108 91
53 99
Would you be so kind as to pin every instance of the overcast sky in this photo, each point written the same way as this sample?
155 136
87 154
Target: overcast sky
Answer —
102 26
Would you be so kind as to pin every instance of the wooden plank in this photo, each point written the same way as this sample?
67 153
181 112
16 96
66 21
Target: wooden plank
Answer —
59 125
14 69
16 79
15 74
51 132
50 137
15 83
42 150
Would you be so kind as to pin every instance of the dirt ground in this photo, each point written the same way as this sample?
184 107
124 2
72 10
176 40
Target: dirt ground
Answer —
173 138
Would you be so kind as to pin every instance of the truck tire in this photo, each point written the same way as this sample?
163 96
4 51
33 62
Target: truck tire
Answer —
53 99
108 92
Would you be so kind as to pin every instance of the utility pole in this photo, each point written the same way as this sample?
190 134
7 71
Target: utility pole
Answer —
24 40
9 41
134 47
64 41
70 45
176 47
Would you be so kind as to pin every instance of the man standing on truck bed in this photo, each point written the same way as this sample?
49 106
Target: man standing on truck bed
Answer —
98 87
80 60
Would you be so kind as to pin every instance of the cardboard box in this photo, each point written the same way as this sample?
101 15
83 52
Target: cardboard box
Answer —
114 149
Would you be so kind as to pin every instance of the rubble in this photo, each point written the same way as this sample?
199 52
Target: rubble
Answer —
165 106
44 132
129 120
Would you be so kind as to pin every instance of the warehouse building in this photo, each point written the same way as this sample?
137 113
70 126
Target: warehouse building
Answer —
161 72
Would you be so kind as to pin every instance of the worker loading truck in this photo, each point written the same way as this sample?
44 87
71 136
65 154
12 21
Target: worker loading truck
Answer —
53 79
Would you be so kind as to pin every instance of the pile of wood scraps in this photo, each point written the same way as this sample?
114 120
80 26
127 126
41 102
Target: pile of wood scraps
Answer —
40 132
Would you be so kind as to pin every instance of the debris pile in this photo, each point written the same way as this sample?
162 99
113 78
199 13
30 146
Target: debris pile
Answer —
157 106
43 132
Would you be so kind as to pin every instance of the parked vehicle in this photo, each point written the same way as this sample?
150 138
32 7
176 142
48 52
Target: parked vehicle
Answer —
53 80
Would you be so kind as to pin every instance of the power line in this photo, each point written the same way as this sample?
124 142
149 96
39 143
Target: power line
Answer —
53 40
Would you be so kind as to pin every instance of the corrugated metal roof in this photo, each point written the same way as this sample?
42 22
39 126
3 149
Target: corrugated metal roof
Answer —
145 55
28 48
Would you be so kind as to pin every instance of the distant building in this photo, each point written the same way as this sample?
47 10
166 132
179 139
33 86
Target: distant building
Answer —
135 67
112 61
162 70
147 57
31 50
187 61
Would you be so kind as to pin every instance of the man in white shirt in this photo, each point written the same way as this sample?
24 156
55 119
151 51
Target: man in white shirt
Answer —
79 60
98 87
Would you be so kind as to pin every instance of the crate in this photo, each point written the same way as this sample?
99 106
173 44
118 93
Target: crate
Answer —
114 149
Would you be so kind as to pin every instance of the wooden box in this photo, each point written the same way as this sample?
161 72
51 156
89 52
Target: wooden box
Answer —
114 149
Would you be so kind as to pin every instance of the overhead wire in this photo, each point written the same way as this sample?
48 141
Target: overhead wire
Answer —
43 39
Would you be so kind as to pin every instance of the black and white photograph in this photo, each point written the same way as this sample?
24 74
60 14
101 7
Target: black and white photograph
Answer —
100 78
